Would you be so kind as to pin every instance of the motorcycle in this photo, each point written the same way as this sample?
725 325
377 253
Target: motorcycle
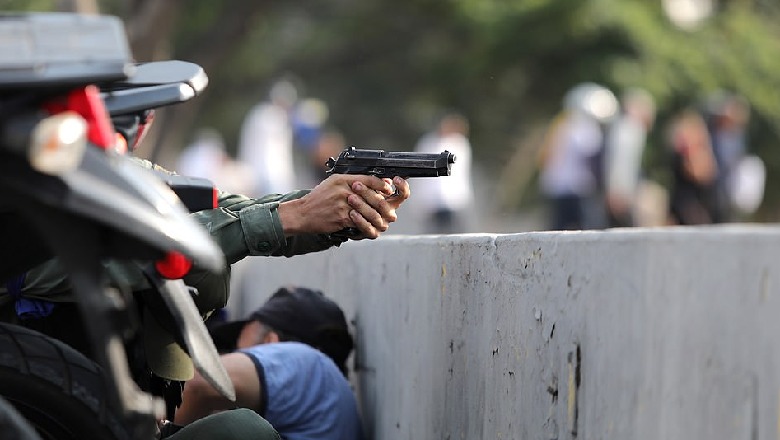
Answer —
69 194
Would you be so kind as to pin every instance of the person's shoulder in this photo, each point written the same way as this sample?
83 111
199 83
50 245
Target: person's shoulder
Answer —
426 143
260 110
303 352
455 141
296 349
290 356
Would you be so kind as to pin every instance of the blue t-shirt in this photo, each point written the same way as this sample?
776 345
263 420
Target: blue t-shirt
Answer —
306 396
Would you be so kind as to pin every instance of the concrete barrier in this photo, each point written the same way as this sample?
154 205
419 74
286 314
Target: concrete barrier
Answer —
622 334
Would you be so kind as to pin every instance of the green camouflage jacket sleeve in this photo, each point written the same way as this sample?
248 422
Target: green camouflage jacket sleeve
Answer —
241 226
244 226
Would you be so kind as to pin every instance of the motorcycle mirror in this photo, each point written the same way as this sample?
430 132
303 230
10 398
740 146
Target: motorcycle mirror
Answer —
135 100
168 72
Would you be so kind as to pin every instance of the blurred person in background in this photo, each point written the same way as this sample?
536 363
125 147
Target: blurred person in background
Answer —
694 170
266 141
308 119
728 116
310 135
624 148
206 157
288 363
202 157
329 144
446 202
571 159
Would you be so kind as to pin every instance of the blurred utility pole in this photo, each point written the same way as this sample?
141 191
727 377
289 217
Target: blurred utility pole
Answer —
209 49
150 25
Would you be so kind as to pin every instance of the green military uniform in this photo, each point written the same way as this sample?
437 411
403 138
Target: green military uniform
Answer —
238 424
240 225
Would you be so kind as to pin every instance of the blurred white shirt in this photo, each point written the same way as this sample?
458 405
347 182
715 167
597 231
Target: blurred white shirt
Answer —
266 145
568 170
453 192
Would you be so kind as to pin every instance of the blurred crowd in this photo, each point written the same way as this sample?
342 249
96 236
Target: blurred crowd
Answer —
283 145
285 141
593 169
592 162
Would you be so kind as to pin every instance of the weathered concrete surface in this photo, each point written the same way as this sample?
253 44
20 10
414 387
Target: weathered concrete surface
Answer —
623 334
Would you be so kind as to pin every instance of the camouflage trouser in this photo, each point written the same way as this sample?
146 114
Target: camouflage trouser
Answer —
237 424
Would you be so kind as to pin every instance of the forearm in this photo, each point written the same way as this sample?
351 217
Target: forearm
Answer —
243 226
200 400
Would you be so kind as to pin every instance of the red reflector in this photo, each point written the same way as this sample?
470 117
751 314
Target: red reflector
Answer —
173 266
214 198
87 103
143 129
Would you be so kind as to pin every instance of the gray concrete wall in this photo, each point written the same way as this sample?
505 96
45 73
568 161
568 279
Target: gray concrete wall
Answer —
623 334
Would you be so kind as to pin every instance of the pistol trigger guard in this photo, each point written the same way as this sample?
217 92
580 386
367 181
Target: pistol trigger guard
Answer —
344 234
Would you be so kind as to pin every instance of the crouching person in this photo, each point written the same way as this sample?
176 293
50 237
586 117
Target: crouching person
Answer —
289 366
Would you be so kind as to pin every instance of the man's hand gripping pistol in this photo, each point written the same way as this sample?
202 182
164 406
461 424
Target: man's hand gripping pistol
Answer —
388 164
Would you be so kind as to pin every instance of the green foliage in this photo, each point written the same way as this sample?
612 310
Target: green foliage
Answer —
386 69
27 5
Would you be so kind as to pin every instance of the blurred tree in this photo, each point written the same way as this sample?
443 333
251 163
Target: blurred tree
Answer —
205 33
386 69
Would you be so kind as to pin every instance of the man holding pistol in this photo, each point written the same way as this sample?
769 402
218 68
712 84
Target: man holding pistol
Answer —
289 224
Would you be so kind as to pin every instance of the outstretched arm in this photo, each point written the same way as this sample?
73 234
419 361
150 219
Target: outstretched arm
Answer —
201 399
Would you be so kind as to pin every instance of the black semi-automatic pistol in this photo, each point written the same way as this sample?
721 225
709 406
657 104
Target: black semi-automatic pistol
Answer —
382 163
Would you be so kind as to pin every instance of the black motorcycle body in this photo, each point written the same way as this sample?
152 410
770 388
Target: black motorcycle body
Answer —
105 206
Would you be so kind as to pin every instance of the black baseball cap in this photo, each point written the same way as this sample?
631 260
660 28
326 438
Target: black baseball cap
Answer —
308 316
